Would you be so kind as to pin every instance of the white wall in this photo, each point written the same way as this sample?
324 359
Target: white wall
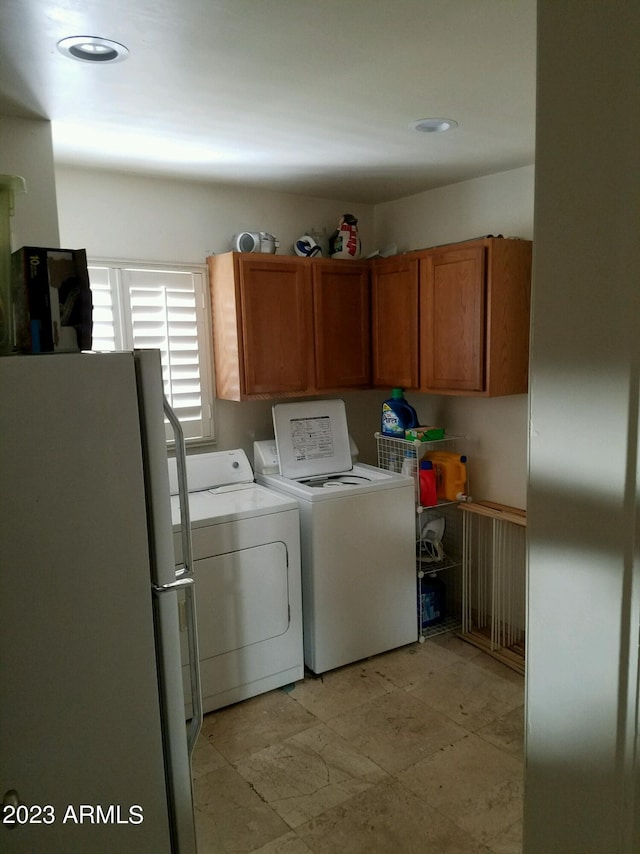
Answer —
26 150
583 780
117 215
497 427
495 204
132 217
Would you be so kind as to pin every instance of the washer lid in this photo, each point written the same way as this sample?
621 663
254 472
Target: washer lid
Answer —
312 438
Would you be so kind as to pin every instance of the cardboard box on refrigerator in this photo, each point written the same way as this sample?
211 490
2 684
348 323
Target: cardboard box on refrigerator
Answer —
51 299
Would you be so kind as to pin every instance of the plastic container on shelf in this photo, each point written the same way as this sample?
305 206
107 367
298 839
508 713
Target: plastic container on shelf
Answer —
451 474
424 434
410 465
398 415
432 605
428 492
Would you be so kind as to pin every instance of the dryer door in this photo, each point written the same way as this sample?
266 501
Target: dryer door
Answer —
245 631
243 598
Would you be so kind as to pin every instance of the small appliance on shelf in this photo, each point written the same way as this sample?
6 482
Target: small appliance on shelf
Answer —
255 241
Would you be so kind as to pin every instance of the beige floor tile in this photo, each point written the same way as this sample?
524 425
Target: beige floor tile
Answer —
405 666
321 754
475 784
452 642
387 819
492 665
208 839
507 842
205 758
506 732
290 843
469 694
304 776
230 816
244 728
340 690
396 730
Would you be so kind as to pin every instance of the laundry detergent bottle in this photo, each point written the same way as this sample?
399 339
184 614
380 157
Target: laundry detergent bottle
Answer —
428 490
451 474
397 415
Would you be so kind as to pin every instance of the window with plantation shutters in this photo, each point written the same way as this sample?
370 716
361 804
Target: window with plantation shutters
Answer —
146 306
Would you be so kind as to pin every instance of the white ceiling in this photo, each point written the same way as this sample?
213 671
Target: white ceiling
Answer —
293 95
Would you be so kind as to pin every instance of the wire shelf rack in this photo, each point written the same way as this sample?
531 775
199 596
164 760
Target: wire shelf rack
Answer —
438 537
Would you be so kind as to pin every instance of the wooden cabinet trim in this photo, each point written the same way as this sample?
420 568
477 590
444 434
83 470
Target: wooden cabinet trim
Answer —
227 335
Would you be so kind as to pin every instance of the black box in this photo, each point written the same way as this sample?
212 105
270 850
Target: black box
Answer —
51 299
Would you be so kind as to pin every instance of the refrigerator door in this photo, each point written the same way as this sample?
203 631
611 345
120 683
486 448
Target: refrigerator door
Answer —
81 720
166 582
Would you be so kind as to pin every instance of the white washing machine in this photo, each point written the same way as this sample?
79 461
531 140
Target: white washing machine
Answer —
246 554
357 536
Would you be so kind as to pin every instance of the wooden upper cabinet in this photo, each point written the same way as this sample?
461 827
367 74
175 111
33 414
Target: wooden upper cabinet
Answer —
394 295
288 326
276 325
508 316
448 320
452 312
474 317
262 325
342 324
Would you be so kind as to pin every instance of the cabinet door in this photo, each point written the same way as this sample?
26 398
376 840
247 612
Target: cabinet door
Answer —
276 324
394 291
342 318
452 320
508 316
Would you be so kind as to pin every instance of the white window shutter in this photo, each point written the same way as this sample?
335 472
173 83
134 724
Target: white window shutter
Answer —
163 309
106 336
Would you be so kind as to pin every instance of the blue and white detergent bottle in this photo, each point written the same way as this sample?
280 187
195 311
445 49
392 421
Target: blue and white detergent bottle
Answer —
397 415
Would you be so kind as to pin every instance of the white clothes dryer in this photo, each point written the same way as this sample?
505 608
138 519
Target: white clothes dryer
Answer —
357 537
246 554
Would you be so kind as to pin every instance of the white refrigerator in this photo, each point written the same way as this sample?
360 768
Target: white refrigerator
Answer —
94 746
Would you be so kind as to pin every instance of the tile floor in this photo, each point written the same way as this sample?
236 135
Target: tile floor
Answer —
417 750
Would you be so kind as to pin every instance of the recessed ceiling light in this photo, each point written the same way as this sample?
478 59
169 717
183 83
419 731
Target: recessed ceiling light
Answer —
92 49
433 125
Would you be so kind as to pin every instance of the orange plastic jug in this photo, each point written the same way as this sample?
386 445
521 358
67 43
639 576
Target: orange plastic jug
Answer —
451 474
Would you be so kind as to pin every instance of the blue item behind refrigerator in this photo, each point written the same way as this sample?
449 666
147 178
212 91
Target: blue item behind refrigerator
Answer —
397 415
432 593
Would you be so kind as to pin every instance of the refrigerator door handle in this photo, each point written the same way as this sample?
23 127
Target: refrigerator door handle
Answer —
188 585
195 724
178 584
183 491
184 579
